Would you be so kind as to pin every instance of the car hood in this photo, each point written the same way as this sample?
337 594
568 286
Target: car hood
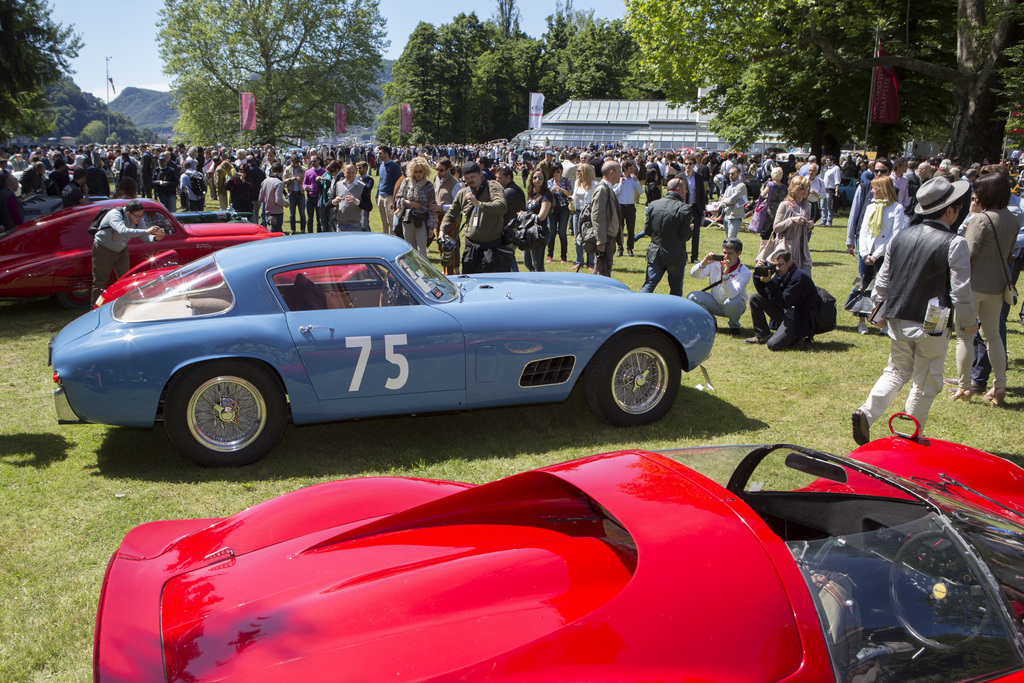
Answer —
554 568
536 285
227 229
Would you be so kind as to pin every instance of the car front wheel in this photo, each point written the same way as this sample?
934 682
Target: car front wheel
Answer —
633 379
225 414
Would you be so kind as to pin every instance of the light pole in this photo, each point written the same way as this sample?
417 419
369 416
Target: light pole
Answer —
108 98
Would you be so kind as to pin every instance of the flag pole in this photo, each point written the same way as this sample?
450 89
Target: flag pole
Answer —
108 98
871 94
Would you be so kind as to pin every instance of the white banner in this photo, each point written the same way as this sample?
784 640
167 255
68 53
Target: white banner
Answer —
536 109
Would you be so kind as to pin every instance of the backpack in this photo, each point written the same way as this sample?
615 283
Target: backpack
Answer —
95 226
198 183
825 318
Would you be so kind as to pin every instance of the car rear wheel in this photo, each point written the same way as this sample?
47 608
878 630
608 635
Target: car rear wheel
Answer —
633 379
74 299
225 413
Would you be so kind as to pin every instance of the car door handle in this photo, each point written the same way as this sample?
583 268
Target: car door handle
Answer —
309 328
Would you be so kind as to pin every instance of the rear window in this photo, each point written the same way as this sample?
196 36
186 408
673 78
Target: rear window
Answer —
192 290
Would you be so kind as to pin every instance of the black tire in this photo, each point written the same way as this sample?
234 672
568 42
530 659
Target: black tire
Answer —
74 299
633 379
200 398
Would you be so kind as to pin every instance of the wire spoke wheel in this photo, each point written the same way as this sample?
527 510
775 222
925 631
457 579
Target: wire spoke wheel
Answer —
639 381
226 414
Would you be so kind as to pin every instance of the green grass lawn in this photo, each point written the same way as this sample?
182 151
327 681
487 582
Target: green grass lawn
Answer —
69 494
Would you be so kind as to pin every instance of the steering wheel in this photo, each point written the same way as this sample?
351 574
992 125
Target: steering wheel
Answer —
919 546
390 291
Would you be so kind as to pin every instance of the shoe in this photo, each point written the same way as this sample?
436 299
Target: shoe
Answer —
563 260
618 253
862 327
861 428
953 381
995 396
756 340
630 252
961 395
549 259
733 331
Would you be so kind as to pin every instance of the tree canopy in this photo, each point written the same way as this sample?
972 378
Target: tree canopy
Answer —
35 52
297 58
470 80
802 67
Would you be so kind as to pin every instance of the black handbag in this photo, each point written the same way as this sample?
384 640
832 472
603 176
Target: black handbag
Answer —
859 302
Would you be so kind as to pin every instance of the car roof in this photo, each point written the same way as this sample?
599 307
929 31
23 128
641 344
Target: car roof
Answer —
266 254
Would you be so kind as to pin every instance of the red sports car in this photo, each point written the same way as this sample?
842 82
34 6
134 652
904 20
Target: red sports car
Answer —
52 255
903 561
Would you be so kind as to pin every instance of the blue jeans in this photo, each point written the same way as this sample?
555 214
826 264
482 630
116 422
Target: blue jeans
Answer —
655 271
366 221
559 222
312 215
827 202
732 227
533 259
350 227
732 308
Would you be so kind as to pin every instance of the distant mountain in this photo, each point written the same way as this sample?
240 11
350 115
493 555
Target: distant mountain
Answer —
81 115
148 109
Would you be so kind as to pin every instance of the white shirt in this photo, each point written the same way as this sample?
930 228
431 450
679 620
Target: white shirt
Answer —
833 177
735 284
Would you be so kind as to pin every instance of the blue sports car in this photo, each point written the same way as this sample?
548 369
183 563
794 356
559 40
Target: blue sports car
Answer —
229 348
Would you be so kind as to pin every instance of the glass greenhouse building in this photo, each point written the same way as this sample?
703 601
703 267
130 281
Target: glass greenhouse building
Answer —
633 123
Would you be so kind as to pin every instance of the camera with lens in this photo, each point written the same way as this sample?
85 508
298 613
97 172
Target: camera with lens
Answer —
765 269
448 246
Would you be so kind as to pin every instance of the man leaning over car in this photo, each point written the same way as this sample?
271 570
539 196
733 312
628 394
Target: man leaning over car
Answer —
110 245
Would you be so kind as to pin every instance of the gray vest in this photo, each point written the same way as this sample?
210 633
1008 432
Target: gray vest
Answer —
918 258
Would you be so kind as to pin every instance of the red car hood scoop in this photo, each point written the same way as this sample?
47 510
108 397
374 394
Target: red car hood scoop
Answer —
433 596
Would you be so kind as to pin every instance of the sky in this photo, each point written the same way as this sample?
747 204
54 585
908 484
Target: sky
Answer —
125 31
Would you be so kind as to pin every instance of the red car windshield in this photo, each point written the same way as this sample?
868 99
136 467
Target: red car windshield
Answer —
192 290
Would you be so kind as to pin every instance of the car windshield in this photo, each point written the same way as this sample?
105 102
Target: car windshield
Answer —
906 590
197 288
426 278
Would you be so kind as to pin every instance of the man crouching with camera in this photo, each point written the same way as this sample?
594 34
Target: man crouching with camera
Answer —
726 296
787 296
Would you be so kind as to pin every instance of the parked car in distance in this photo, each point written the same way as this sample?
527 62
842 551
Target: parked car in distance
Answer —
227 349
903 561
52 255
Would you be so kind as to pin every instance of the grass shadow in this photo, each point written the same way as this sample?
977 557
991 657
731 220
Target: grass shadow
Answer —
397 444
33 450
37 313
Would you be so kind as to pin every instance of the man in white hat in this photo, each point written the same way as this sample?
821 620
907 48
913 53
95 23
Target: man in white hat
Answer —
927 270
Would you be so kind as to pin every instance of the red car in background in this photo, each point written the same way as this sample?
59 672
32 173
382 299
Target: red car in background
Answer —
52 255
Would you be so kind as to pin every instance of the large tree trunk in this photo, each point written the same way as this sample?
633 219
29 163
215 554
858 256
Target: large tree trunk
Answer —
977 126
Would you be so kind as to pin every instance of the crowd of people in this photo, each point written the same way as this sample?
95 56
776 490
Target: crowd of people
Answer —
930 237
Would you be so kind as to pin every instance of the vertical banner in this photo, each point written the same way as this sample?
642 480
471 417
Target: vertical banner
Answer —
340 119
248 111
536 109
885 105
406 125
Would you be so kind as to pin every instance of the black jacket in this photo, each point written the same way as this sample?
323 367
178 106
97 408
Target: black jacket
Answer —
797 295
669 224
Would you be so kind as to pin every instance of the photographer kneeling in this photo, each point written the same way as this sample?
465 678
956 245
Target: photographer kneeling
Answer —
726 296
789 299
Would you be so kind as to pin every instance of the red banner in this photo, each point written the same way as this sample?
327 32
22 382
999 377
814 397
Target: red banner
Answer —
406 126
340 119
885 107
248 111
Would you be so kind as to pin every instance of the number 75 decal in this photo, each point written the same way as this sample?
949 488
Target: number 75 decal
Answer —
390 342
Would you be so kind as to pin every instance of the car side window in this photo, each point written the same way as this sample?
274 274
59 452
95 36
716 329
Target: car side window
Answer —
155 219
343 285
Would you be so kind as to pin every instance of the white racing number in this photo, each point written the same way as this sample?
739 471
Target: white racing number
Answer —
390 342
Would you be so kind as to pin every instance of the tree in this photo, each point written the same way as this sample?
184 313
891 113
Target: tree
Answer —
94 131
297 59
752 40
34 52
507 18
